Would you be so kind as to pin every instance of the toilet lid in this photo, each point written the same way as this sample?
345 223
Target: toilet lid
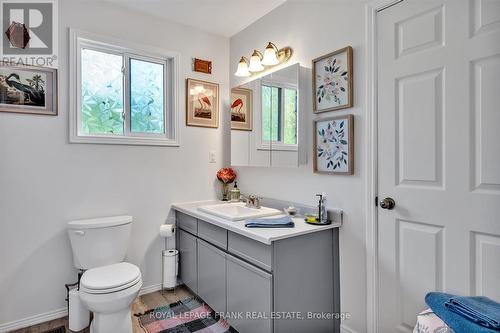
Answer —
110 277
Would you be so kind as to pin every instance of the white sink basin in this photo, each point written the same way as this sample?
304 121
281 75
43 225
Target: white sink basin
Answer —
236 211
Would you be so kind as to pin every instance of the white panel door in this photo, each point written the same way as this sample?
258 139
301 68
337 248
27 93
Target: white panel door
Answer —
438 154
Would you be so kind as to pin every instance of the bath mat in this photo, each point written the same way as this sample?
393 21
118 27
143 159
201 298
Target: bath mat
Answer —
188 315
60 329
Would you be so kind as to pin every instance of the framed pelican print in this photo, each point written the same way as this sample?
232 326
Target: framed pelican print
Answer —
241 109
28 89
202 103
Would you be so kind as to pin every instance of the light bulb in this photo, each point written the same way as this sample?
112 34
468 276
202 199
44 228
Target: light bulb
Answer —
255 62
270 55
242 70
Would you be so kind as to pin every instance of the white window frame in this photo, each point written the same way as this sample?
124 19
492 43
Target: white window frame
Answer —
279 145
80 40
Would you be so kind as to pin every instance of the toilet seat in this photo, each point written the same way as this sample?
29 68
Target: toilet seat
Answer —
110 278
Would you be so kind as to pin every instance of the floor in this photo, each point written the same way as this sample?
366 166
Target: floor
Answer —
141 304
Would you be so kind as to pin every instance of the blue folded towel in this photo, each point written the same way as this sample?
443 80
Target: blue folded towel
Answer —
479 309
438 302
278 222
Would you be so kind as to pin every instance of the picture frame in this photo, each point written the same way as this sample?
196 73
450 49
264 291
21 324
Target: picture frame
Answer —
28 89
333 139
202 66
241 109
202 103
332 78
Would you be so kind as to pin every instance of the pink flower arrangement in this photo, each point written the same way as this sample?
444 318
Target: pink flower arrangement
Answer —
226 175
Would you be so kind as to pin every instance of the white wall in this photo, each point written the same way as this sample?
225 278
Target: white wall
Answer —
45 181
312 29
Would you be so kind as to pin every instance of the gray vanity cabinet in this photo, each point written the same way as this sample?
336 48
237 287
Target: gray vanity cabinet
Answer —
188 255
212 275
255 282
249 291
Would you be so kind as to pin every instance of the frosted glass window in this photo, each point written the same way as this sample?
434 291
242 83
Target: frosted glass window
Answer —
147 105
101 93
122 94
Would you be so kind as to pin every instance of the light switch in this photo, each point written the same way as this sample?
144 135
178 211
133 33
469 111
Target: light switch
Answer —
211 156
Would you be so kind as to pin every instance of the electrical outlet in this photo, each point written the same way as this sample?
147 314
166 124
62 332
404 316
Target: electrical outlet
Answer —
211 156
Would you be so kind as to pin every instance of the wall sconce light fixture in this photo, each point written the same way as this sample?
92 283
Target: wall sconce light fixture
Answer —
255 62
272 57
242 70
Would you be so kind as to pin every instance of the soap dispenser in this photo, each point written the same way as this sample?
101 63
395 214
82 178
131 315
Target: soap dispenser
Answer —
235 193
322 212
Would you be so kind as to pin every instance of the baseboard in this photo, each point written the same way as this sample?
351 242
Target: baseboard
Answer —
59 313
345 329
150 289
33 320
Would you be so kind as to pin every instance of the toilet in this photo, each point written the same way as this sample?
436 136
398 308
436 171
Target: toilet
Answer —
108 286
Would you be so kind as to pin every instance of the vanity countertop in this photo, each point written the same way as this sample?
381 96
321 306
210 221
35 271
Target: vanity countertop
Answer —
263 235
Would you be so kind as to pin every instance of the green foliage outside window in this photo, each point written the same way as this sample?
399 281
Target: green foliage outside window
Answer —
279 115
290 122
270 113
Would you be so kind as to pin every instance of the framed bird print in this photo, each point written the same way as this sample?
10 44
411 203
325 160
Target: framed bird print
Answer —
202 103
332 81
334 145
28 89
241 109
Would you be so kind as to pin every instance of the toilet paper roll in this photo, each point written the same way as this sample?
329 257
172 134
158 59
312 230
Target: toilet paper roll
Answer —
167 230
79 315
170 268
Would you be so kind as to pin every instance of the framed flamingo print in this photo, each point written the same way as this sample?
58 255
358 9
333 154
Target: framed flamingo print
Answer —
241 109
332 81
202 103
334 145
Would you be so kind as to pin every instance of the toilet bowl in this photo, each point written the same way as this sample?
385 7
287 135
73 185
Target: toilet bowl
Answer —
109 285
108 291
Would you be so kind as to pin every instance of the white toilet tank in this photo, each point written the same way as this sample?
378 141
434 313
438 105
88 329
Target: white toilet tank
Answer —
100 241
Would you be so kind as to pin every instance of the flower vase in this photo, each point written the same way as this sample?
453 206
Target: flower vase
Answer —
225 192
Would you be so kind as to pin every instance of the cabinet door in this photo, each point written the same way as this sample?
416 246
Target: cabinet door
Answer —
249 290
188 260
212 275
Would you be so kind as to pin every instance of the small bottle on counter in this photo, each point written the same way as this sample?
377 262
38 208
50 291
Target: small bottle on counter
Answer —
235 193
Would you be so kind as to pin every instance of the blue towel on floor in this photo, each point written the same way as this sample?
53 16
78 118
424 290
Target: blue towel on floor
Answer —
278 222
478 309
437 302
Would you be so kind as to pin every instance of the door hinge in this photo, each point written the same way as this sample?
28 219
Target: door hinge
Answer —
376 201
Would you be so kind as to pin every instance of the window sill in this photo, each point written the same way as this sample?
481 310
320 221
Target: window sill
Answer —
125 140
278 147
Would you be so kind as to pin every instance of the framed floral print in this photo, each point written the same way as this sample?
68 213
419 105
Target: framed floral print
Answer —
241 109
333 81
28 89
334 145
202 103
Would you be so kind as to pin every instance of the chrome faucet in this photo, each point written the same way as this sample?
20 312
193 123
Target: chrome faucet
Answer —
252 201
